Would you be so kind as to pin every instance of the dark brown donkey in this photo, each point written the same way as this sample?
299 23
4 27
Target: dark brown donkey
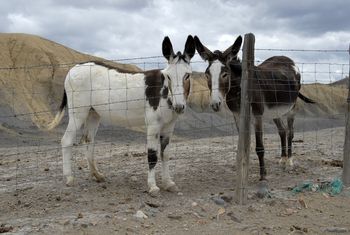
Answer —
274 88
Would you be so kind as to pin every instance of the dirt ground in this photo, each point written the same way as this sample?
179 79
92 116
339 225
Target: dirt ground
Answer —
34 200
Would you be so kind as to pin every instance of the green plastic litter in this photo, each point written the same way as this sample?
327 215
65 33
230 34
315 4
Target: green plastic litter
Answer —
336 187
333 188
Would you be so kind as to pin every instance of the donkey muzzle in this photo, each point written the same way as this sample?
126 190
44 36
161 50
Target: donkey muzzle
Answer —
179 108
216 106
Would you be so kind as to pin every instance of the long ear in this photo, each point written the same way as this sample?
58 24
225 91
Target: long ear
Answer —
190 48
234 49
204 52
167 48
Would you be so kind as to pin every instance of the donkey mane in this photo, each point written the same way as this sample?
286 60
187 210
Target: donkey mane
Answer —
111 66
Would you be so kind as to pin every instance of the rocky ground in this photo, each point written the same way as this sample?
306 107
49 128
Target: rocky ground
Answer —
34 200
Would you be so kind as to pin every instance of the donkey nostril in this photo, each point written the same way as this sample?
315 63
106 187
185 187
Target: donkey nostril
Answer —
179 108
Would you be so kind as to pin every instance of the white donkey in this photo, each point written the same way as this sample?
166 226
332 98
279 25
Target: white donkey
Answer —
95 92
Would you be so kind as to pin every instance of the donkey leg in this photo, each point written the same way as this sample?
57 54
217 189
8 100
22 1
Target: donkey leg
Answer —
165 136
290 121
92 124
67 141
153 131
260 146
283 135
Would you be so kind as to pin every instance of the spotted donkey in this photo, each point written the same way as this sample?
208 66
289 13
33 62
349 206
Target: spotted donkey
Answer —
95 92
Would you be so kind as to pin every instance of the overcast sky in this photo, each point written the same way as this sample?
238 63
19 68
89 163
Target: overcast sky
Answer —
116 29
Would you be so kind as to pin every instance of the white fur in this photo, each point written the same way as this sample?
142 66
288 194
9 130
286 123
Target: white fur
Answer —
97 94
176 71
296 69
215 70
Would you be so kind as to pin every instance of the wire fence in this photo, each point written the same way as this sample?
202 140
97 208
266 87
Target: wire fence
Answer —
30 157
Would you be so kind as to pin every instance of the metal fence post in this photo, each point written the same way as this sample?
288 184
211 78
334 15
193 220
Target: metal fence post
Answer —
244 120
346 153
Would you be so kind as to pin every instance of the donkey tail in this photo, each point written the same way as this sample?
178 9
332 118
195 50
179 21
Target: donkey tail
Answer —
59 114
305 99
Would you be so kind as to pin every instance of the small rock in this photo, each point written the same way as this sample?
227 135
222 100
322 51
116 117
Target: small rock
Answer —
194 204
336 230
145 225
227 199
58 198
151 211
133 178
80 215
218 200
5 229
140 215
84 225
180 194
152 204
289 211
234 218
46 169
174 216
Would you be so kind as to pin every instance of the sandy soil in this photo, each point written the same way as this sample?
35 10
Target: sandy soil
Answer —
34 200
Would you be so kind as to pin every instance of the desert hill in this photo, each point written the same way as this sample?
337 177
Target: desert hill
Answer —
32 72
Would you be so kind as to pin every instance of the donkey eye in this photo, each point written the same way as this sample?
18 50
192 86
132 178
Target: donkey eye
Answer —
187 76
207 75
224 75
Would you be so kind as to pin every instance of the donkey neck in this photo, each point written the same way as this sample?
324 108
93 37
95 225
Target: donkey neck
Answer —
233 96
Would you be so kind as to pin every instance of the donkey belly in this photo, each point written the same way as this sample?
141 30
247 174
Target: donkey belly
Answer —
277 111
121 110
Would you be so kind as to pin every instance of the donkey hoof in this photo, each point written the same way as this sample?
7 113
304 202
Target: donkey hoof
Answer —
290 164
70 181
99 177
283 161
171 187
154 191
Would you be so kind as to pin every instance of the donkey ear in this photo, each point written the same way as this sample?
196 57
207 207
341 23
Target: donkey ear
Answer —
167 48
190 48
234 49
204 52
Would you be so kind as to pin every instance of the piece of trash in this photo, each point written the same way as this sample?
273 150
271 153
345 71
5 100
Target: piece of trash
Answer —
302 202
336 230
333 187
221 211
305 186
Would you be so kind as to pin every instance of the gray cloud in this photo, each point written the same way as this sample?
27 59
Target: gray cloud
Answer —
122 28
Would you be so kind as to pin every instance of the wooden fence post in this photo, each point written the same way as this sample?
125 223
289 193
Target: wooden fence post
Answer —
244 120
346 153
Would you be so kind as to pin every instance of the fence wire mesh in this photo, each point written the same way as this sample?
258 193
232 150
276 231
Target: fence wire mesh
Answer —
204 144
